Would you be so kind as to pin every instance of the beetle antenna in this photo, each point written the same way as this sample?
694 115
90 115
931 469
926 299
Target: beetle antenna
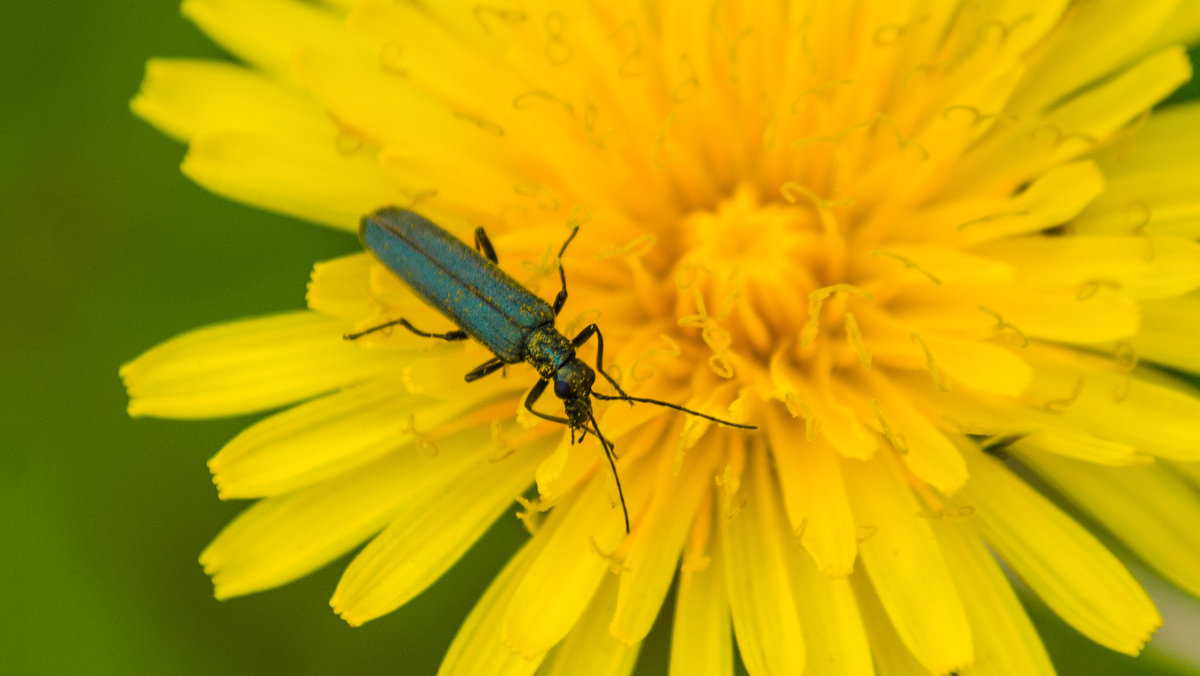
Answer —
612 464
674 406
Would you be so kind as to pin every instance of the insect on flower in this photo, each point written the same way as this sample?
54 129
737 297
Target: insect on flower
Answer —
468 287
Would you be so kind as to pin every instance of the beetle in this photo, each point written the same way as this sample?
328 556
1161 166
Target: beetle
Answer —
469 288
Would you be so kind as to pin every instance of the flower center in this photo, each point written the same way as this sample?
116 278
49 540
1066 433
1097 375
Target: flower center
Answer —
752 274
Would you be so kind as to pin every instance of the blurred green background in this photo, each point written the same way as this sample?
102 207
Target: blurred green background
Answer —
108 250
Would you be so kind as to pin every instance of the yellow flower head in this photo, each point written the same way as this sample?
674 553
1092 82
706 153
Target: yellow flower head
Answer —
930 249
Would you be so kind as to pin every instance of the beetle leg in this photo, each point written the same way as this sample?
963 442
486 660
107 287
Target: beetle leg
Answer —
561 298
582 337
449 335
484 245
486 368
536 391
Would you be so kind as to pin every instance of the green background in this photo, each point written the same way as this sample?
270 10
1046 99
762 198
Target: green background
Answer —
107 249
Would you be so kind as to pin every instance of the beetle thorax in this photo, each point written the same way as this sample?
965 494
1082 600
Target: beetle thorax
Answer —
547 350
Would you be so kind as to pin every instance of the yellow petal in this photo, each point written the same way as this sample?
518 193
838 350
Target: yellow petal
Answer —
1102 110
247 366
1188 470
1151 509
535 112
339 287
1162 203
1053 198
307 178
765 620
423 45
983 78
637 428
1160 145
1097 316
823 413
814 496
1033 145
1157 415
1168 332
1058 558
892 657
985 367
476 189
926 450
941 265
1021 24
477 648
654 547
1005 640
843 429
185 97
571 464
1153 181
564 470
1096 41
237 26
561 581
330 435
833 629
1139 266
1069 441
432 531
278 540
1035 427
589 650
385 108
906 567
1181 28
701 638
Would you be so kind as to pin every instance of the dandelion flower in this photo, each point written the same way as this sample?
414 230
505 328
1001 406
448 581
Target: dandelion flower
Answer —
931 250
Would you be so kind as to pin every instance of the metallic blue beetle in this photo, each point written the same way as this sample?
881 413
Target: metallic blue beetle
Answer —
468 287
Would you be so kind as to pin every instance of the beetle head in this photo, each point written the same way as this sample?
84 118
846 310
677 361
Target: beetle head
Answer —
573 384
